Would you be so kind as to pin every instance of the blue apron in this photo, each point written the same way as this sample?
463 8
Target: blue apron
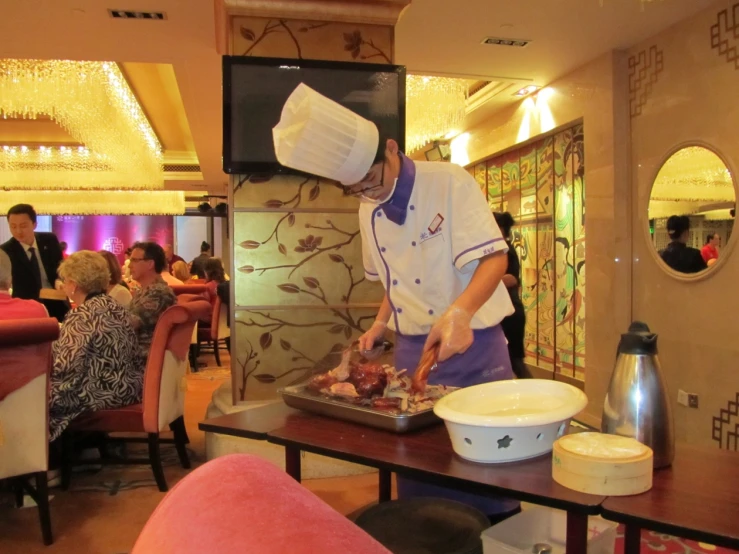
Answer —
486 360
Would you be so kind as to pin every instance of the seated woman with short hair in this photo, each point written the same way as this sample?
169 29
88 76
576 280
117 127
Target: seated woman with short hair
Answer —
96 362
117 288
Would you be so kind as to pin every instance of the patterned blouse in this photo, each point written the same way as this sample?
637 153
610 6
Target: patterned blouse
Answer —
96 365
147 305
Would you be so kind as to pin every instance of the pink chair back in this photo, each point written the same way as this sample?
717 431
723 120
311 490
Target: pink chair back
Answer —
163 399
25 367
252 507
218 324
189 289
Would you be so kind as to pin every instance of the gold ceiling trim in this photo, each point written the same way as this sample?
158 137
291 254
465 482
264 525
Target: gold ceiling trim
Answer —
94 104
77 202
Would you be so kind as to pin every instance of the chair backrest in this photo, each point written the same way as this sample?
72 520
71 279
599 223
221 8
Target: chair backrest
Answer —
185 298
219 321
25 367
164 399
260 510
189 289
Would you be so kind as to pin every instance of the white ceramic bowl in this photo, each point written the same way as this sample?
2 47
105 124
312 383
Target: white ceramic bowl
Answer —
505 421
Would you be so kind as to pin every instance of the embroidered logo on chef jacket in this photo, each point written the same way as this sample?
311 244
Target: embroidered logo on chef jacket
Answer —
428 261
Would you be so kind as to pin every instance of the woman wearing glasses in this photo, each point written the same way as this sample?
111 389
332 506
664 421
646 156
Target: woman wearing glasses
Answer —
429 237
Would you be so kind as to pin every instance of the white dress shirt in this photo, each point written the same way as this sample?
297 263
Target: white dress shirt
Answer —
428 261
44 279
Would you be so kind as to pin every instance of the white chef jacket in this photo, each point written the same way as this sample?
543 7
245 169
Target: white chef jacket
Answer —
427 262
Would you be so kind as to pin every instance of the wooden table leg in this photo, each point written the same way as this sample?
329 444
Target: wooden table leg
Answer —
577 533
292 462
632 539
385 485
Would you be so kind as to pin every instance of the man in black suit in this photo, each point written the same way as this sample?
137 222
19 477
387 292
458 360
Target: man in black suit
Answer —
35 258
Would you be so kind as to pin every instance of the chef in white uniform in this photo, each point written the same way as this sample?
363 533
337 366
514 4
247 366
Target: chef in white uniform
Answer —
429 237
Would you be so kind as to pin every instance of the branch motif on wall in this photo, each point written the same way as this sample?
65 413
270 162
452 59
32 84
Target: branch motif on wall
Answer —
291 33
644 71
724 34
354 44
319 251
727 438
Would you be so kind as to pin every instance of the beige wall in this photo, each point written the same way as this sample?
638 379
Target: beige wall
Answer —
692 99
597 94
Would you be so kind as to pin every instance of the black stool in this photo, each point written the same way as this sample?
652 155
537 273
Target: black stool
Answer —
425 526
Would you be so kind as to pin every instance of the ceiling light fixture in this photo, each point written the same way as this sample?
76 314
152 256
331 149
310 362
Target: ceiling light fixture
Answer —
434 105
525 91
78 202
518 42
94 104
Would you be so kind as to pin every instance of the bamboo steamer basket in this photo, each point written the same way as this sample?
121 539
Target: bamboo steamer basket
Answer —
598 463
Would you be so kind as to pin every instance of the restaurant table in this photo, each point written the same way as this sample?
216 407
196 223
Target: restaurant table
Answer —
250 424
697 498
427 455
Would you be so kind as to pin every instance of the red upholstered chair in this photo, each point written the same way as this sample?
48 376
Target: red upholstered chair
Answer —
25 366
163 401
218 331
189 289
248 505
184 298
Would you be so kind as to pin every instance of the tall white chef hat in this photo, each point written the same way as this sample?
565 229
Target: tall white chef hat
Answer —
321 137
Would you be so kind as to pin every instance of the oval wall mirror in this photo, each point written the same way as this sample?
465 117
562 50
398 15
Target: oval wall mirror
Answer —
691 210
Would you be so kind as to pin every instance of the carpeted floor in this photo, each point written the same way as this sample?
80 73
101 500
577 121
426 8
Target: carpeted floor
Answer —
104 511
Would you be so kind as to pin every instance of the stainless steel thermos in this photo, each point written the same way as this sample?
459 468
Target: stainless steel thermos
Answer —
637 403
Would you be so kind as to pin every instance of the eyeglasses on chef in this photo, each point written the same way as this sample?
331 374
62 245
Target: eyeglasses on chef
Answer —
367 181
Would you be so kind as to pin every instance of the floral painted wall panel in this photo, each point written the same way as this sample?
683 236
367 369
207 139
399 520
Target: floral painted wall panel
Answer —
564 255
545 177
529 286
577 154
317 40
296 252
529 267
494 184
288 192
309 258
480 177
296 247
511 184
542 186
545 292
277 347
545 262
527 180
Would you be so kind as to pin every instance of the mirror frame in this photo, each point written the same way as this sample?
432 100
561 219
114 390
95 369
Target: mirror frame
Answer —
725 251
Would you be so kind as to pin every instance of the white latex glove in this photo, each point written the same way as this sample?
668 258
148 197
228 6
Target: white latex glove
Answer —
453 333
373 335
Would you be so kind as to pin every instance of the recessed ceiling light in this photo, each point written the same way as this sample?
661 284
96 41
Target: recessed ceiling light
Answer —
519 42
526 90
130 14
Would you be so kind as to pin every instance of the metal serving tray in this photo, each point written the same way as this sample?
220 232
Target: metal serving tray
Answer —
298 397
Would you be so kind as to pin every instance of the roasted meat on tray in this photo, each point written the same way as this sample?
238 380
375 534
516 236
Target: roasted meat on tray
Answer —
371 384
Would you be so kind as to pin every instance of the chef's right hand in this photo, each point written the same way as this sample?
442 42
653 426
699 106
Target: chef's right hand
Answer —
373 335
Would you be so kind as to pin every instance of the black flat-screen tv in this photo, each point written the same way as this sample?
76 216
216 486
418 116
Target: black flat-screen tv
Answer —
255 90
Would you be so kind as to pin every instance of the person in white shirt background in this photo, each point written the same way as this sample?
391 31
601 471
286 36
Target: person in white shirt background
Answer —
430 238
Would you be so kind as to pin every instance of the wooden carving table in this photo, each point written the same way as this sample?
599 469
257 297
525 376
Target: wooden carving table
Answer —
425 455
697 498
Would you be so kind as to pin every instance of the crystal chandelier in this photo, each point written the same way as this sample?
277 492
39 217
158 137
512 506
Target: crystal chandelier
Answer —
111 202
434 106
94 104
